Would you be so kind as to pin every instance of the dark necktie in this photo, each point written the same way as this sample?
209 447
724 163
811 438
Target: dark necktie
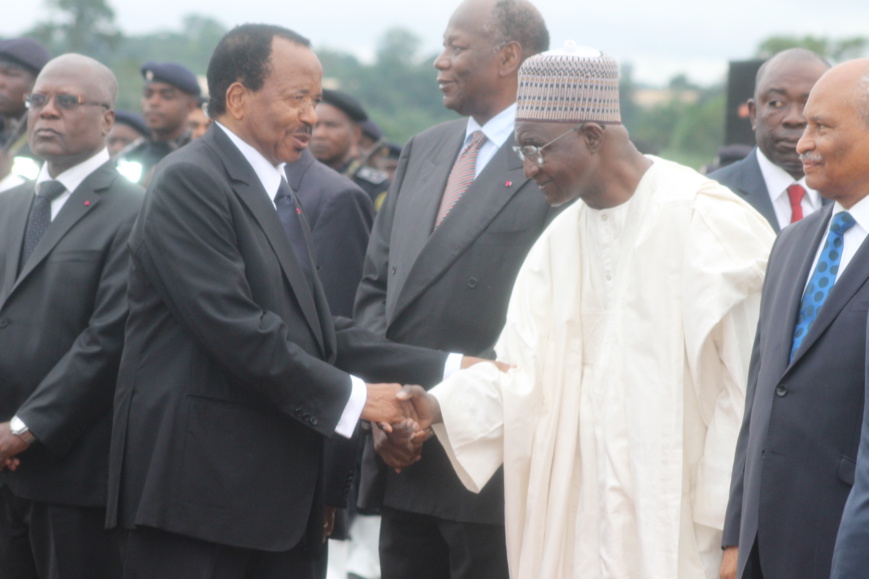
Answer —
461 176
823 277
795 196
291 218
40 217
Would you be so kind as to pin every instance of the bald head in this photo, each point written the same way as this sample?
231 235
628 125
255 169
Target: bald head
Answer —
71 123
835 146
776 111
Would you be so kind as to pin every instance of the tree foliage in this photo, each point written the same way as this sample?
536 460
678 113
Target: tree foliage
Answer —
834 49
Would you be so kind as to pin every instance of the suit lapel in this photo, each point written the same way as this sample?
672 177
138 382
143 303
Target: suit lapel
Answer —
850 282
248 188
81 202
14 221
502 178
752 185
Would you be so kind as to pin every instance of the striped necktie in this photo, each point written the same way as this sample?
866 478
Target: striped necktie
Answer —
39 218
461 177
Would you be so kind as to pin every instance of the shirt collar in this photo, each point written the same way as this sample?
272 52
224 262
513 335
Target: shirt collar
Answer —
73 177
778 180
498 129
269 175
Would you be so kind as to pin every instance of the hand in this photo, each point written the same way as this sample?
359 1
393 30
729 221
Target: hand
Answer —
399 448
468 361
10 446
329 523
384 408
729 563
426 407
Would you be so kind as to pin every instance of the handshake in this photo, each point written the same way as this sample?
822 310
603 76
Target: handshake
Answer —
402 418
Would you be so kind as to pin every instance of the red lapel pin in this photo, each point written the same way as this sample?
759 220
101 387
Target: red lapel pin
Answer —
87 203
508 184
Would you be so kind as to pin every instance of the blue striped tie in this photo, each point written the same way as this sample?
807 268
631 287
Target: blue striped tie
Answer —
823 277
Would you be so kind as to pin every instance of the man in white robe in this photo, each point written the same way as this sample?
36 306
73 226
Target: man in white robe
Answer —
630 328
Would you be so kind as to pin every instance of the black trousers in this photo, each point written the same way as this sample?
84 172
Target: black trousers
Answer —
46 541
426 547
154 554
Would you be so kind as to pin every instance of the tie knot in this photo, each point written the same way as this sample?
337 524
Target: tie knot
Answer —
50 189
284 191
842 222
477 138
796 192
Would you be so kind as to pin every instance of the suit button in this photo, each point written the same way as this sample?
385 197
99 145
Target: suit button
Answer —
472 282
3 322
313 421
781 391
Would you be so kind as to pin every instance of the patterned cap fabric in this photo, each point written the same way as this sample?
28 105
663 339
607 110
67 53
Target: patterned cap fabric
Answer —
573 84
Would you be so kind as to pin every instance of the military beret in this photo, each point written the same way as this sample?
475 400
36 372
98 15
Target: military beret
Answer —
371 130
346 103
172 73
392 150
132 120
24 52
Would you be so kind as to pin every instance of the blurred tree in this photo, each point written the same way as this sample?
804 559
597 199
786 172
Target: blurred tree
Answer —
85 26
836 50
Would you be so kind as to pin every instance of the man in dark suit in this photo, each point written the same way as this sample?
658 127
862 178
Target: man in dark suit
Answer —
851 556
233 372
63 281
439 273
796 453
771 176
340 215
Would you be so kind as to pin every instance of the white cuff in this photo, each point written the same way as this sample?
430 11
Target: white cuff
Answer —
353 410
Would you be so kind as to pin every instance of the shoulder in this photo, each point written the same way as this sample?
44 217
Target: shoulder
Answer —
442 130
736 172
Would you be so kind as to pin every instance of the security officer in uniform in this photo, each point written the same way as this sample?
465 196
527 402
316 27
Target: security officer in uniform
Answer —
335 143
21 60
171 92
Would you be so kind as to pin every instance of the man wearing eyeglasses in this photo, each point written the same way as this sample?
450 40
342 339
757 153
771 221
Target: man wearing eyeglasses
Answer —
630 327
63 280
443 255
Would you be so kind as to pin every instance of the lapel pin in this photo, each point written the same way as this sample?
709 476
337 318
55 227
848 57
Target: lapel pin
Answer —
508 183
298 211
87 203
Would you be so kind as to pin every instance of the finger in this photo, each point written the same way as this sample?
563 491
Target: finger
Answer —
385 427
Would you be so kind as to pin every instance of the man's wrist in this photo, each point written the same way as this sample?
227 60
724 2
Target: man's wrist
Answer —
19 429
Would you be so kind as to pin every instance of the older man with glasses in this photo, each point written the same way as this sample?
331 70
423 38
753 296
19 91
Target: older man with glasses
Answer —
630 327
63 284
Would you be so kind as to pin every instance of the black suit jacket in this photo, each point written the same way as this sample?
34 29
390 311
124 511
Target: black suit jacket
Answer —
230 379
340 215
796 451
745 179
61 334
446 289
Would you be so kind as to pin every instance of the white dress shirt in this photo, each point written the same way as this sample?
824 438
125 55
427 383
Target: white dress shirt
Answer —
71 178
777 182
852 238
497 131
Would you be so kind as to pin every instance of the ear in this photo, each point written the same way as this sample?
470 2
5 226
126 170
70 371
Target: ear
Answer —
236 100
593 134
509 58
752 113
108 121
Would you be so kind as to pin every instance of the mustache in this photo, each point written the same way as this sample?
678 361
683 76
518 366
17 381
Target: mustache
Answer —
811 158
304 130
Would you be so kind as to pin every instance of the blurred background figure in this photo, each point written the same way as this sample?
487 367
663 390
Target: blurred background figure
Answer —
198 121
129 128
170 94
336 142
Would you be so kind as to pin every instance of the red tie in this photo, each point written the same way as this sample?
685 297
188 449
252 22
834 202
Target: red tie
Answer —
461 176
796 194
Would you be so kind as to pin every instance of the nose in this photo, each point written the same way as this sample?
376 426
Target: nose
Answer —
794 116
309 115
806 143
441 62
530 167
50 109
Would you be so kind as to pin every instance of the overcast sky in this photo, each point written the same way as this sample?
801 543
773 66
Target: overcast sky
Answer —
660 38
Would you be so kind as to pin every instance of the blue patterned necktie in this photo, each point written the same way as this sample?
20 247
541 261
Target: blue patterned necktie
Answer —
39 218
823 277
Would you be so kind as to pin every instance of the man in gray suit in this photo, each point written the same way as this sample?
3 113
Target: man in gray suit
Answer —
63 283
771 176
444 253
795 458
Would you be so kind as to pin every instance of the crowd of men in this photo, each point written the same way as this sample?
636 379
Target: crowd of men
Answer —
531 350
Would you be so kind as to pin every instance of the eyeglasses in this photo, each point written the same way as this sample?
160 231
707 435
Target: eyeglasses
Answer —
63 101
535 154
